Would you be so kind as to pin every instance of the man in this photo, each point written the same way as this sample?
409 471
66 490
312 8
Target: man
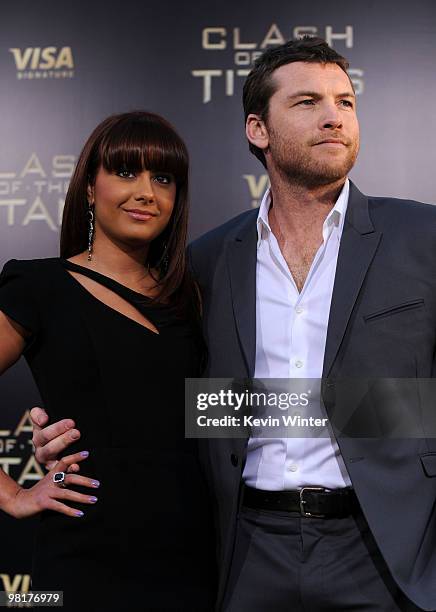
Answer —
322 281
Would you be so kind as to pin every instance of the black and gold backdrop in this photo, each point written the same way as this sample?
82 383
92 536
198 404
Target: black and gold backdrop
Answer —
66 66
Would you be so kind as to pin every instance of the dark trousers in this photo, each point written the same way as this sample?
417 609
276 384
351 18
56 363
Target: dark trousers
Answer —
288 563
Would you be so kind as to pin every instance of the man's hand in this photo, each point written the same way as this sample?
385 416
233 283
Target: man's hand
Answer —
51 440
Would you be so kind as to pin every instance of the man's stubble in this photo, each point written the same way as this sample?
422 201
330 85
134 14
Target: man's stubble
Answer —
299 167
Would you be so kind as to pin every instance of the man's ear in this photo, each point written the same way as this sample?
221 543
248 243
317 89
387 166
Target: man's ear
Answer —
256 132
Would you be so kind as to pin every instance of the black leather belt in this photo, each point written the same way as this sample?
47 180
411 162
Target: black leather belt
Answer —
308 501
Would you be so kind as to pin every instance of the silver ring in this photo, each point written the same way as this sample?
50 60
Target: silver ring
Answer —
59 478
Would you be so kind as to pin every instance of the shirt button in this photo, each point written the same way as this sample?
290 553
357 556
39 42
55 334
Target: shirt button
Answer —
298 364
299 310
293 467
234 460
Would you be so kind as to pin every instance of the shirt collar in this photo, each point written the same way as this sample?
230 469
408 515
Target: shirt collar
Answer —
336 216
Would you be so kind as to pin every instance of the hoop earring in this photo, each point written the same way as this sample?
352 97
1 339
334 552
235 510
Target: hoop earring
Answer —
90 215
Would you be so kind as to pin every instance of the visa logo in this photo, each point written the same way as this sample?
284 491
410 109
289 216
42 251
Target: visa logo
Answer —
42 58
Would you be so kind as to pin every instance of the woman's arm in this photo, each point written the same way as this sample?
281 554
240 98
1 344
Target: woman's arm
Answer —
43 495
12 342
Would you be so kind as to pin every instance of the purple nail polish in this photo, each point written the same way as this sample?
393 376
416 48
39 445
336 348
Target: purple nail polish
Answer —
93 499
79 513
95 483
84 453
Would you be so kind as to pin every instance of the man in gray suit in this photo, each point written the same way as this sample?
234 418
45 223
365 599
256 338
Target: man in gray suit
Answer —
326 283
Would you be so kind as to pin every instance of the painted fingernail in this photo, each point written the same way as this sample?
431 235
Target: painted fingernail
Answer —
79 513
93 499
95 483
84 453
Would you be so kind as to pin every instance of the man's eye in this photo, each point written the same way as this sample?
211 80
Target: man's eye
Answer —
307 102
164 179
347 103
126 174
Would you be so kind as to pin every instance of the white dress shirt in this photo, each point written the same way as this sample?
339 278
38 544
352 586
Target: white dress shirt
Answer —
291 331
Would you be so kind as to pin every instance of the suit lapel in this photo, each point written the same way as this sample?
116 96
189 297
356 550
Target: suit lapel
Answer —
358 246
241 261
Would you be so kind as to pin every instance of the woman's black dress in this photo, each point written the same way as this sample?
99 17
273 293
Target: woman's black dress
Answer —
146 544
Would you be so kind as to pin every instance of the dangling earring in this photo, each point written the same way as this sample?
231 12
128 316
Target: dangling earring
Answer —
90 214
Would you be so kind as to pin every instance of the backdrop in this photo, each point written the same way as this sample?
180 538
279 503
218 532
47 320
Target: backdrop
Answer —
66 66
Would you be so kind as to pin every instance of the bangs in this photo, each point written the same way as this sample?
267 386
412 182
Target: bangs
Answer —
140 142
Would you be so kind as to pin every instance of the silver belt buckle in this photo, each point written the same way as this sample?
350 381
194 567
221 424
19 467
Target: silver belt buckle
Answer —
302 501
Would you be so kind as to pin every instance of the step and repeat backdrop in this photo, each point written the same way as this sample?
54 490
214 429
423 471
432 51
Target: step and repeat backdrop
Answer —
66 66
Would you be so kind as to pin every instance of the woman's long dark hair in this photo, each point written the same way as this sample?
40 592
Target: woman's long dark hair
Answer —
136 141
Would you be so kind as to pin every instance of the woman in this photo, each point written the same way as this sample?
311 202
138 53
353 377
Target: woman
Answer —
110 331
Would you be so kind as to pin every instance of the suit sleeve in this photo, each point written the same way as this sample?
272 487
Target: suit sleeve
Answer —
17 297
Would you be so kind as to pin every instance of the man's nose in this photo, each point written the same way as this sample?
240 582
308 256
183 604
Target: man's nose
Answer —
144 191
331 117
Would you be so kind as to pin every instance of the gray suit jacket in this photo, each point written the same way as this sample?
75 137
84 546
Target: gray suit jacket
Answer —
382 324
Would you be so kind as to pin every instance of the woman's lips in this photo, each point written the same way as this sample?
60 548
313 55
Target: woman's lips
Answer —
139 215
